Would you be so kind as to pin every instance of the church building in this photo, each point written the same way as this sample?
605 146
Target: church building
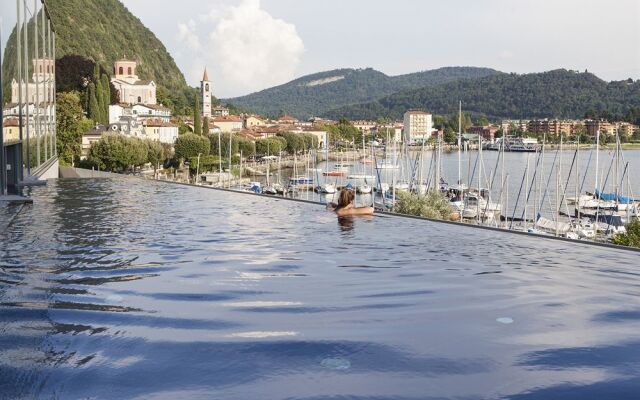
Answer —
130 89
205 90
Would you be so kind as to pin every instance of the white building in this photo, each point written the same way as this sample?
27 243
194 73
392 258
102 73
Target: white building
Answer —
162 131
129 88
205 91
41 88
418 126
220 111
140 111
129 126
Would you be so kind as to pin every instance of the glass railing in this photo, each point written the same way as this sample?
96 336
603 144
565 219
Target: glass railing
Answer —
28 95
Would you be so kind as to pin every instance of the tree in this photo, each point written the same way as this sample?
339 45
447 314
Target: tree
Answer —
205 126
450 136
70 125
184 128
433 205
190 145
92 102
269 146
116 153
631 237
197 123
155 153
224 139
106 96
246 147
483 121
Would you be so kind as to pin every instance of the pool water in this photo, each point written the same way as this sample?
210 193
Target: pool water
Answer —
131 289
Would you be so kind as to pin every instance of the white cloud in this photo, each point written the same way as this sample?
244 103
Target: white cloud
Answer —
187 34
244 45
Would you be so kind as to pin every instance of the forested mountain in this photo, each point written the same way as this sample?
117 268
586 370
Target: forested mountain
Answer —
559 93
316 94
105 31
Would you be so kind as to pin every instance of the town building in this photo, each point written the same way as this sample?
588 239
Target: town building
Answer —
90 137
129 126
41 88
253 120
229 123
130 89
364 126
287 120
552 127
509 126
205 90
220 111
627 130
600 126
161 131
418 126
488 132
10 130
140 111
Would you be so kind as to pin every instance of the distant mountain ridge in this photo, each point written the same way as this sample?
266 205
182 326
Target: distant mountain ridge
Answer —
318 93
559 93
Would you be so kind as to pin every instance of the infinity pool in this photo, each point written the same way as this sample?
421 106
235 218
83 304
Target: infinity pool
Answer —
129 289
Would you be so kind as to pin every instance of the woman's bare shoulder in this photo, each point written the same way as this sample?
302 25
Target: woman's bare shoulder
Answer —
355 211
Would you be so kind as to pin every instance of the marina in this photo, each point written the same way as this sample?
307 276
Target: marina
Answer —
535 191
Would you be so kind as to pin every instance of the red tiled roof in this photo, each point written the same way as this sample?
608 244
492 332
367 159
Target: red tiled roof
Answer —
227 118
159 123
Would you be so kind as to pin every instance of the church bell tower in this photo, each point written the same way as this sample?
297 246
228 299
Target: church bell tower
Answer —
205 90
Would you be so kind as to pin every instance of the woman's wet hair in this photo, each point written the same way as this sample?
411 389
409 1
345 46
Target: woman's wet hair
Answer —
346 197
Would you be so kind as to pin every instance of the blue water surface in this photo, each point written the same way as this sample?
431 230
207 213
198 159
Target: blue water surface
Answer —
131 289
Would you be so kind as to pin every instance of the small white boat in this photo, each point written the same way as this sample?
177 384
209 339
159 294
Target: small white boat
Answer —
385 164
270 190
364 189
361 177
326 188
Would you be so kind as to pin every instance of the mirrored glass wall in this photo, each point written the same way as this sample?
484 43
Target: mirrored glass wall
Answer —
28 93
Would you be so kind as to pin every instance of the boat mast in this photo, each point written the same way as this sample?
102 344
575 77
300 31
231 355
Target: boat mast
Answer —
460 141
479 178
526 184
577 209
597 156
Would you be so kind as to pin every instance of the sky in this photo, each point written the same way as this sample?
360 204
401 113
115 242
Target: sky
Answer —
249 45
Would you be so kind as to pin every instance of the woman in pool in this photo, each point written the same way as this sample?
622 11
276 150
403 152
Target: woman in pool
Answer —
346 205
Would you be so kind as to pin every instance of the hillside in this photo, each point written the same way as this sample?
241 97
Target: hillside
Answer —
558 93
104 31
318 93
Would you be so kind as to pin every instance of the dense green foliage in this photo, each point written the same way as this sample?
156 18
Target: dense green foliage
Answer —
99 97
343 131
118 153
559 94
631 237
207 163
238 144
197 118
105 31
270 146
433 205
190 145
297 142
71 123
316 94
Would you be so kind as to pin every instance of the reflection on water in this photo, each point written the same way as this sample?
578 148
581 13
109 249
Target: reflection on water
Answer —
131 289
